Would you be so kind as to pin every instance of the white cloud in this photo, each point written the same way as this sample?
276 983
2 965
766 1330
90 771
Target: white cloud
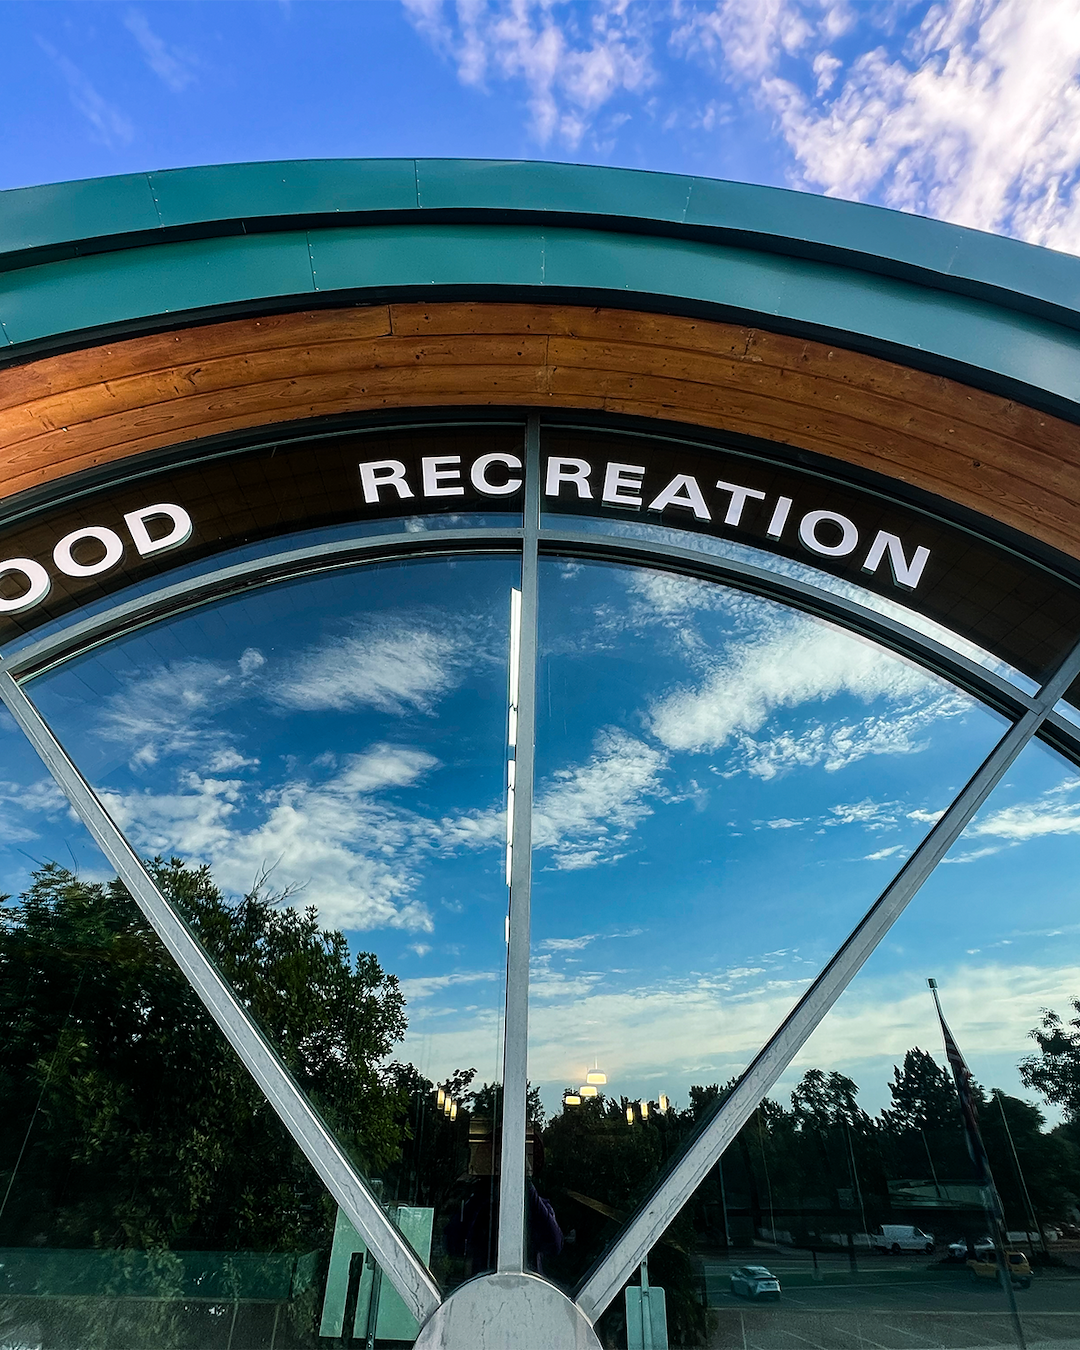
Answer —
586 814
889 852
393 665
1048 814
975 118
354 857
793 661
112 127
869 814
170 711
569 63
171 65
427 986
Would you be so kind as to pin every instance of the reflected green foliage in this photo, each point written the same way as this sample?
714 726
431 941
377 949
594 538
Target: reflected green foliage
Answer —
1055 1071
131 1122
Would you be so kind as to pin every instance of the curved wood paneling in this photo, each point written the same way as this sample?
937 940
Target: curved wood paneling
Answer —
104 404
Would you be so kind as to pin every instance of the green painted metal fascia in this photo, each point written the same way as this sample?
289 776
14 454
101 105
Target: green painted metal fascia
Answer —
73 219
996 347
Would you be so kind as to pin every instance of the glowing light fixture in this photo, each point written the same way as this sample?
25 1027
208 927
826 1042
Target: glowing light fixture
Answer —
453 1110
595 1076
629 1115
663 1103
587 1091
571 1099
440 1098
644 1108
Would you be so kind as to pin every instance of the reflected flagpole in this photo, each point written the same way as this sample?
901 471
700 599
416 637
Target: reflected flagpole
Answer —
969 1111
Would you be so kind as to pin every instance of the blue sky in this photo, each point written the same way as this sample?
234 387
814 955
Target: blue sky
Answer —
965 109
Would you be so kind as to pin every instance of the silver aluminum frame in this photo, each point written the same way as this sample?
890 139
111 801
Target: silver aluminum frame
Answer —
1031 716
511 1248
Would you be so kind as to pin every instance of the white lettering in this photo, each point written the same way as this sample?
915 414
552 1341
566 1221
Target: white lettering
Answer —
377 473
179 534
849 535
781 511
739 496
108 539
35 574
434 475
574 471
904 573
478 475
682 491
622 484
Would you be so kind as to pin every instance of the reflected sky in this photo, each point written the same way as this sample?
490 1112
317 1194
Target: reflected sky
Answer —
724 787
344 735
997 925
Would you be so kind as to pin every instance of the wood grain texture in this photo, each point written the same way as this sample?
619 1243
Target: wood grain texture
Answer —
105 404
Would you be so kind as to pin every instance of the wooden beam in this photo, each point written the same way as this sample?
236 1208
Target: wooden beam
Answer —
106 404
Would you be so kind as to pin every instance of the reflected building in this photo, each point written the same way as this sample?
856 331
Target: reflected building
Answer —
464 623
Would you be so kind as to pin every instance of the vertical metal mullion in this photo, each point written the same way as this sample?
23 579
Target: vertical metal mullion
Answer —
404 1269
661 1207
511 1248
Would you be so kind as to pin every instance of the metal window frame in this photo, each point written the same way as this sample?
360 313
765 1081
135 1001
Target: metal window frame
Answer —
1030 716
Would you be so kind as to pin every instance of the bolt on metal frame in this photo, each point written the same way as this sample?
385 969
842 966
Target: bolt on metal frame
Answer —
1030 716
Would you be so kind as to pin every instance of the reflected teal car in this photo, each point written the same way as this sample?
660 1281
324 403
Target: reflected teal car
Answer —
755 1282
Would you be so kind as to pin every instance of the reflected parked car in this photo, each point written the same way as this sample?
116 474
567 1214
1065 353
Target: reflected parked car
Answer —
755 1282
985 1267
963 1251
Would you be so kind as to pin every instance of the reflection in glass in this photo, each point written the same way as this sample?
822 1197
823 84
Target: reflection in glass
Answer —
334 749
723 788
148 1194
857 1163
804 572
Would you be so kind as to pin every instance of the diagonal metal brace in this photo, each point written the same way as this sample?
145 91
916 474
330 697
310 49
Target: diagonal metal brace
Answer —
672 1191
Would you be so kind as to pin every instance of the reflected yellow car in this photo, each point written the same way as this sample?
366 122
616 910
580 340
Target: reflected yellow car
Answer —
985 1267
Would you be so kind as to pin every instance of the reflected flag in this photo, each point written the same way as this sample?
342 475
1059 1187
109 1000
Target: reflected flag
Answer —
964 1080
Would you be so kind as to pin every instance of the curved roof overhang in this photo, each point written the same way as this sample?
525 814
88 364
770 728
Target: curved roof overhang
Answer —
152 310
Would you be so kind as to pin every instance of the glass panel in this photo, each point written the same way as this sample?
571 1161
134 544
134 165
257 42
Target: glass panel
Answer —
148 1195
335 748
724 787
858 1162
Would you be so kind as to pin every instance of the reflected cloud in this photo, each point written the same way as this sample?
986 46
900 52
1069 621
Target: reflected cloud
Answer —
790 662
392 665
355 857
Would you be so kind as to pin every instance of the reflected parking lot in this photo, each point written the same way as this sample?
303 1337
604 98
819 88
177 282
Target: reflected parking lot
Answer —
886 1302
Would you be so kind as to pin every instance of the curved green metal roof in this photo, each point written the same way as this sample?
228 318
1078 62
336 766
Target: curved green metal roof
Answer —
85 260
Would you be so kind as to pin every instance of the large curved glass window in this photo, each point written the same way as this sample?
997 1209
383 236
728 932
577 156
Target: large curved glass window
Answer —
309 719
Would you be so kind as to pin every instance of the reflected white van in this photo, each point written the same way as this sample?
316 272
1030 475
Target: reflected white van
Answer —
902 1237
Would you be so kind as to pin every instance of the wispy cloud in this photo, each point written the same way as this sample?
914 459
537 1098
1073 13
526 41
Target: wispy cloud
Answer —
788 662
354 855
173 66
393 664
111 126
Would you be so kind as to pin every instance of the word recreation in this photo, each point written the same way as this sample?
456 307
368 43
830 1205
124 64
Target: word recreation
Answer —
93 550
826 533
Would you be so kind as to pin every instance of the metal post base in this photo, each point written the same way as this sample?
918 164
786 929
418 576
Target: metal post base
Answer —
507 1312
